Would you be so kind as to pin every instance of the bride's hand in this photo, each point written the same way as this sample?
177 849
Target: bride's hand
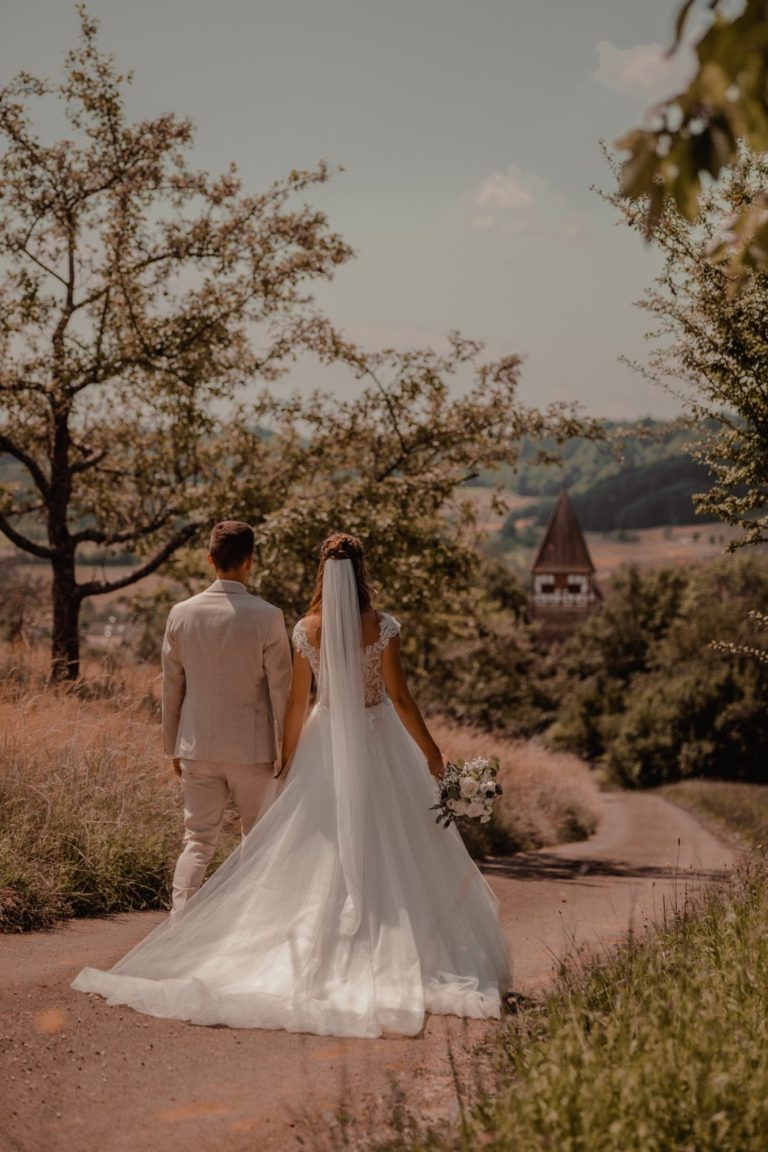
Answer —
436 764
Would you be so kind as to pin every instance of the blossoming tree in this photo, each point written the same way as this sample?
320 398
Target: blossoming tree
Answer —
135 301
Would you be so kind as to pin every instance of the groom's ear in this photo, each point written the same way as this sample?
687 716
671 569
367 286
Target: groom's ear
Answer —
211 561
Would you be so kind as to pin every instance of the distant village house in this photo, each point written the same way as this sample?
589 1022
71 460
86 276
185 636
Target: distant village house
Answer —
564 586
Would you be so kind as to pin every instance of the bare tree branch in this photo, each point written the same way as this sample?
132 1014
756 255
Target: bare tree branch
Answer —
49 271
26 545
99 587
97 536
41 481
88 462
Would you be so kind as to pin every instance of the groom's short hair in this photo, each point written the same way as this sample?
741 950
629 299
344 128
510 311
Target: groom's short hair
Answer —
231 544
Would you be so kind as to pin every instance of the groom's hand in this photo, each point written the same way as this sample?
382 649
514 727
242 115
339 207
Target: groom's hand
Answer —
177 766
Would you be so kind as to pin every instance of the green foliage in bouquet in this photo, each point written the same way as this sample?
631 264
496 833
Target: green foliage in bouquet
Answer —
468 790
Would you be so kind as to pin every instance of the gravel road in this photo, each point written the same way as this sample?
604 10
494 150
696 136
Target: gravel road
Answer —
79 1076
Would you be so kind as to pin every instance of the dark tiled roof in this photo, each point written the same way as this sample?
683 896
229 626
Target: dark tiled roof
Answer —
563 548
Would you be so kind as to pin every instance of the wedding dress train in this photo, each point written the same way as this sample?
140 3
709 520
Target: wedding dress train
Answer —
347 910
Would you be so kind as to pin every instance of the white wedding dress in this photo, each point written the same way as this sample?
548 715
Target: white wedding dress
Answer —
347 910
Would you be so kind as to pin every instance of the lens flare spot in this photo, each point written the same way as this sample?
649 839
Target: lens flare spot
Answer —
51 1021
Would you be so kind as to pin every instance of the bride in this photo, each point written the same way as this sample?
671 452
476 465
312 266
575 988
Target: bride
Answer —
346 910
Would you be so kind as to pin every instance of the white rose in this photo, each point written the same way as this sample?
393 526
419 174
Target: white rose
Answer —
484 819
462 808
452 805
468 787
476 808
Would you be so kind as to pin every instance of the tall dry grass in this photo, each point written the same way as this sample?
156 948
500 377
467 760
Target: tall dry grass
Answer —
548 798
90 816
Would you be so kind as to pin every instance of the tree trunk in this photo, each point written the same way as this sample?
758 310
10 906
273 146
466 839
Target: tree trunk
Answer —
65 646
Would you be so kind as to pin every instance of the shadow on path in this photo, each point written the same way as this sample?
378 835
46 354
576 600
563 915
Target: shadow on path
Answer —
548 866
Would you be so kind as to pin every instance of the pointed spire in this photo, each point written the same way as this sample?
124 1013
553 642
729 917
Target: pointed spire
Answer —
563 548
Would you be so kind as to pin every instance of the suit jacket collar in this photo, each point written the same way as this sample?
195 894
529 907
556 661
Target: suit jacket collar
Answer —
230 587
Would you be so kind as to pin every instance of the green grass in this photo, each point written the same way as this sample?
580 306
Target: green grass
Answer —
740 809
660 1047
663 1047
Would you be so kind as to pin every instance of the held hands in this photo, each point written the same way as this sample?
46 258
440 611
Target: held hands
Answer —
280 775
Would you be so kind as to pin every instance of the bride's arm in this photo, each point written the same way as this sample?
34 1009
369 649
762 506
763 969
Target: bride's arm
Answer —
296 708
407 708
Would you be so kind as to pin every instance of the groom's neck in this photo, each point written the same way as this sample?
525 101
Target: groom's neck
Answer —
239 575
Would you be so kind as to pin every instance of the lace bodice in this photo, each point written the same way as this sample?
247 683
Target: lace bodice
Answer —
371 656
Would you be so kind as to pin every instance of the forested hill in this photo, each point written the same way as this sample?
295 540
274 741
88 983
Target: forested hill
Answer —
645 497
583 463
645 479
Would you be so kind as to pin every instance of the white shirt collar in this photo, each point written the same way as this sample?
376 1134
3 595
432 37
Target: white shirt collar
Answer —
232 586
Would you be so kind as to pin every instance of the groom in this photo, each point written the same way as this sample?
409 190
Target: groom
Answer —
226 678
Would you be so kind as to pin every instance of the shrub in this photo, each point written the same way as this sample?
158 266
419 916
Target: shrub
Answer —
548 797
643 689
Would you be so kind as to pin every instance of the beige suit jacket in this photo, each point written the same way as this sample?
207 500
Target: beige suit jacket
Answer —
226 677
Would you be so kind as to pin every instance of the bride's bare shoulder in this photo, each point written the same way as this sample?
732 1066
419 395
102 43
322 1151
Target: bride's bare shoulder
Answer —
311 625
370 622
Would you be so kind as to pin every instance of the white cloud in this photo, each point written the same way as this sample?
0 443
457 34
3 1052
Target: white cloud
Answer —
519 202
504 190
645 70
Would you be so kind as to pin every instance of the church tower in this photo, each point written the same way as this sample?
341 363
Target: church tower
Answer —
564 585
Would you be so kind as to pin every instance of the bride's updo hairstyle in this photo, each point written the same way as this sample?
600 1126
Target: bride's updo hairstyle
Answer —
342 546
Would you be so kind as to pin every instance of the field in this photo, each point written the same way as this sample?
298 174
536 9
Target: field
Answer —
107 618
670 546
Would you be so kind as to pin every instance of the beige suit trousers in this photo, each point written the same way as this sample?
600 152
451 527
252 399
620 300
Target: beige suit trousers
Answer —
207 786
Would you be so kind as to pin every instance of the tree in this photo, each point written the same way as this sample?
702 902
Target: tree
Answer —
643 690
698 132
387 464
136 301
698 712
716 344
612 648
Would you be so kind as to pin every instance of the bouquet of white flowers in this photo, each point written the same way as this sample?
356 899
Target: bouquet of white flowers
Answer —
468 788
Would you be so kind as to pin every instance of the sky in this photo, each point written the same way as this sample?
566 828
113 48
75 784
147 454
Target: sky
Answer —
469 133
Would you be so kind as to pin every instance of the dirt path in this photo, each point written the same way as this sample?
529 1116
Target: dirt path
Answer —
79 1076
